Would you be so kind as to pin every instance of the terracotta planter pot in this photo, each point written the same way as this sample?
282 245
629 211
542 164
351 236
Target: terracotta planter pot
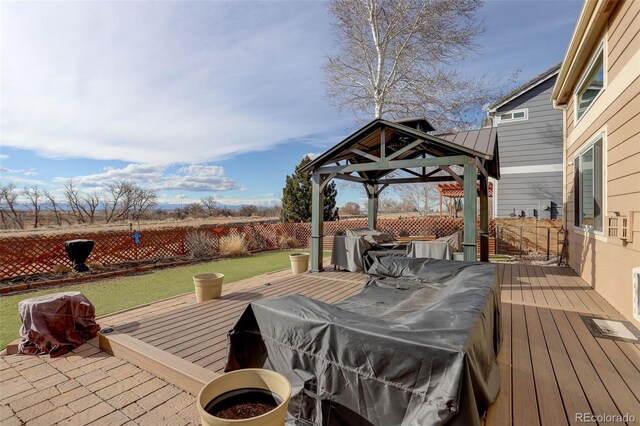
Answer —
208 286
249 378
299 263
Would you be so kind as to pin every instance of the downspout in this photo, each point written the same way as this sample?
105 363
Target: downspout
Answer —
564 164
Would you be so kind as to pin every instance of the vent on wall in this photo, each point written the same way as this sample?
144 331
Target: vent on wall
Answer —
620 227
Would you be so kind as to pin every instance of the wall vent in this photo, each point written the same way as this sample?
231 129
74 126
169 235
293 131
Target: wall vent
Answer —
620 227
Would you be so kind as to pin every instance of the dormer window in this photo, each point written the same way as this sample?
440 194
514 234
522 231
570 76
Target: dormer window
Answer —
591 85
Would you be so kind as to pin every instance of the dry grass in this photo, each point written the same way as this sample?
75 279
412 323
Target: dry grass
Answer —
255 240
287 242
199 245
233 245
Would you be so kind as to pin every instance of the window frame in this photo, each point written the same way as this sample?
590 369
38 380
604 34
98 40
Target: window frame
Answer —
499 118
601 136
588 70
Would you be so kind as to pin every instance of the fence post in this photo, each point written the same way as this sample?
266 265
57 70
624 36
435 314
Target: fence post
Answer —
497 238
520 240
548 241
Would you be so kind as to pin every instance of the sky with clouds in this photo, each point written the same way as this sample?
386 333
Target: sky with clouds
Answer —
201 98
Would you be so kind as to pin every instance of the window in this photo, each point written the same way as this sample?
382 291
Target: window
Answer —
588 187
515 115
591 85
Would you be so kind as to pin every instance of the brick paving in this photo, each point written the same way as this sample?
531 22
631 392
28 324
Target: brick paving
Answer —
90 387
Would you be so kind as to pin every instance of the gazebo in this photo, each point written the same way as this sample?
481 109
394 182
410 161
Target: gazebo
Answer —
370 154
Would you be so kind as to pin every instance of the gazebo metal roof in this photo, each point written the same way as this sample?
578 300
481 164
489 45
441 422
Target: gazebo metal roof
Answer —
406 140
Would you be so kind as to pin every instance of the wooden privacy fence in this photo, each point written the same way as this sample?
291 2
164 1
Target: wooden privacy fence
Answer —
20 256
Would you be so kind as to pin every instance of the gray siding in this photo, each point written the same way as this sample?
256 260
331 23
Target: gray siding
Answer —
529 191
536 141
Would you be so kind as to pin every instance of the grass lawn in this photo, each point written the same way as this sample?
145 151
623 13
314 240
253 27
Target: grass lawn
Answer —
112 295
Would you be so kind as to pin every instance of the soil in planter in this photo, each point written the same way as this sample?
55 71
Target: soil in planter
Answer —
243 404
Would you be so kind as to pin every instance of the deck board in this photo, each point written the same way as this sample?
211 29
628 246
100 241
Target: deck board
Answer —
550 406
551 367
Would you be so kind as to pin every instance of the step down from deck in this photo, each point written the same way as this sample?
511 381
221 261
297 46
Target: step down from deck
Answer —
175 370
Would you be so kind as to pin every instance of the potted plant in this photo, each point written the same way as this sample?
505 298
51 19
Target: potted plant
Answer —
299 263
208 286
248 397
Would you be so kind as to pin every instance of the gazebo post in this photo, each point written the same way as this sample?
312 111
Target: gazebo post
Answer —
484 219
372 205
470 210
317 213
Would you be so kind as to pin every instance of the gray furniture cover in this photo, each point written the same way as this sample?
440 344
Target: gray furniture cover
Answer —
429 249
347 252
454 239
417 346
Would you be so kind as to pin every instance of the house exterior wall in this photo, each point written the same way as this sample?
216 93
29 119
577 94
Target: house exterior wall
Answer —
604 262
530 155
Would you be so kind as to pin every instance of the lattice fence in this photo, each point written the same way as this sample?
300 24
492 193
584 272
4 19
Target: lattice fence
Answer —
40 253
438 226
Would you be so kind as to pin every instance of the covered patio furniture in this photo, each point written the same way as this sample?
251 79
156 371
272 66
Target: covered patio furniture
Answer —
417 346
56 323
347 252
429 249
455 240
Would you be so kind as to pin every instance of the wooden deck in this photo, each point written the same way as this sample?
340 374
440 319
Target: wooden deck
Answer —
551 366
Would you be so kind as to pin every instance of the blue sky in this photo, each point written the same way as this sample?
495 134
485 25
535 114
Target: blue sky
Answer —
201 98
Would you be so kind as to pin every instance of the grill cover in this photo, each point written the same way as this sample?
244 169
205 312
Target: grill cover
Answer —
417 346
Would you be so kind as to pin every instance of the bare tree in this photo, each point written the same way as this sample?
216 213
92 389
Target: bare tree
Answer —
53 206
116 203
419 197
143 201
398 58
388 205
74 200
90 203
127 201
9 206
351 208
34 195
210 205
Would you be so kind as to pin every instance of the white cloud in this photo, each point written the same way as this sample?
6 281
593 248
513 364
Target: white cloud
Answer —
24 172
189 178
160 82
4 157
